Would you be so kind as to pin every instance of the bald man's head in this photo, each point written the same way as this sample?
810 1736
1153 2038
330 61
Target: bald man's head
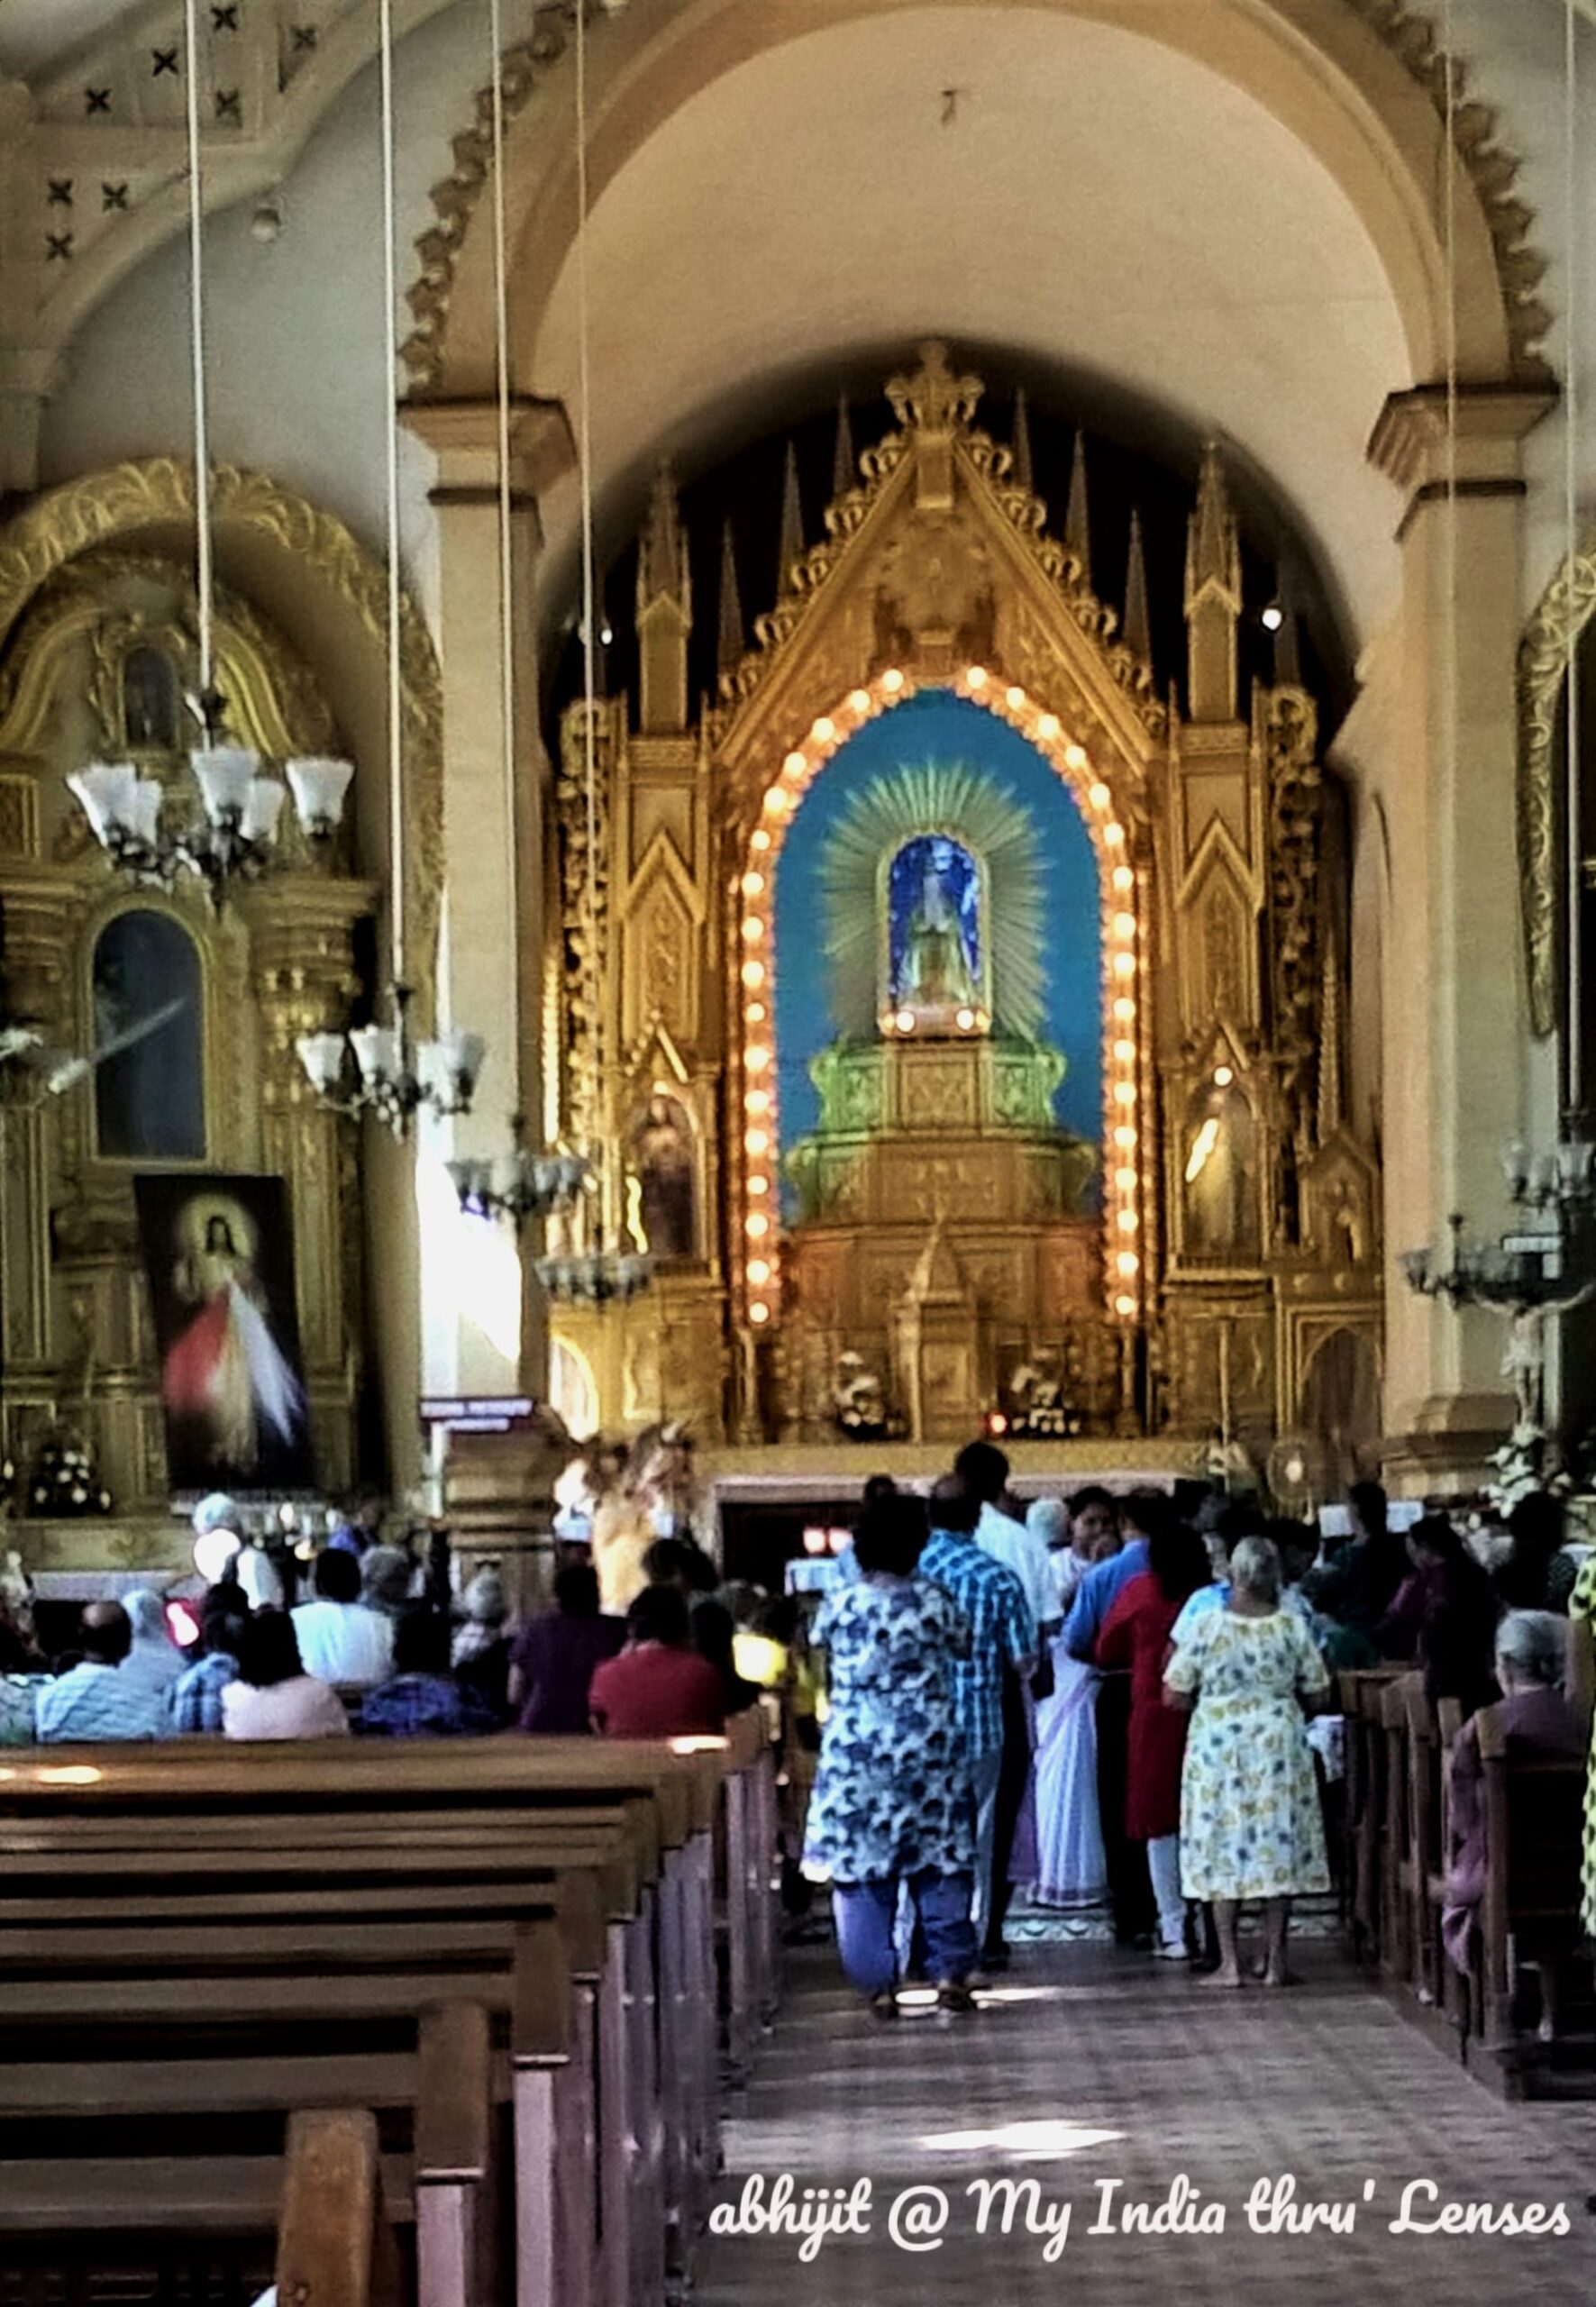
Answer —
107 1634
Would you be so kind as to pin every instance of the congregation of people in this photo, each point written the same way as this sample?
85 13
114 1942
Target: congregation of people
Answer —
383 1645
1116 1706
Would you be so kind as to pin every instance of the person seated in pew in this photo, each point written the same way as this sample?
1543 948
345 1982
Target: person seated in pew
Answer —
194 1703
480 1644
1358 1582
1537 1719
424 1700
1444 1616
683 1563
341 1640
97 1699
154 1657
273 1696
1537 1573
659 1687
555 1655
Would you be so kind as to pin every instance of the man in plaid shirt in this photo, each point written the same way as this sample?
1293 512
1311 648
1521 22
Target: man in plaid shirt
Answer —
1003 1636
194 1705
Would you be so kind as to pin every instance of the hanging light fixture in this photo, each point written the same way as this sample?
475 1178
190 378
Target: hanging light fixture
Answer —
534 1182
604 1263
392 1077
228 833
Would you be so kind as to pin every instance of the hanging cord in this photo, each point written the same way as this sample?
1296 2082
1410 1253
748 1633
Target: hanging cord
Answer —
1571 438
390 346
196 345
589 662
506 573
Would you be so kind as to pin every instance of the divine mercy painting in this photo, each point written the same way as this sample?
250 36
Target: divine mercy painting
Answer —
220 1259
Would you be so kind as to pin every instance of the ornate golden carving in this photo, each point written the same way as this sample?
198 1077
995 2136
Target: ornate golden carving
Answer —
931 397
1553 632
151 492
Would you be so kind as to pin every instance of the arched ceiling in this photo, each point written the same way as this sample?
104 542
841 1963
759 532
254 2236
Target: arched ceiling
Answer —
1097 201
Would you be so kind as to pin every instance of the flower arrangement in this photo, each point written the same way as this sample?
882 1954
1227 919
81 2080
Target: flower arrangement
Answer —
1037 1408
64 1485
1523 1464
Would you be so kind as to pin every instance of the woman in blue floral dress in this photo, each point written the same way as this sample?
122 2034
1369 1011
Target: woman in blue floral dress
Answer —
892 1804
1251 1824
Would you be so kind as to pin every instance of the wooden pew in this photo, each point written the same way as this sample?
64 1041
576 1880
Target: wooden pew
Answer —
1530 1916
418 1858
162 1979
1424 1855
335 2238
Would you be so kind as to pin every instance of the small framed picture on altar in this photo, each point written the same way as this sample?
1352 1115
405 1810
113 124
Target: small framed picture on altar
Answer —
219 1254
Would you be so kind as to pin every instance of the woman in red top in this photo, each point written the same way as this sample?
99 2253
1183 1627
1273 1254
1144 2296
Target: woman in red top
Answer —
659 1687
1136 1634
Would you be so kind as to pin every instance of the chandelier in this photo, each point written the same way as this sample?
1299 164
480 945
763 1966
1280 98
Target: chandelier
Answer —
595 1277
393 1078
527 1187
231 837
1545 1265
228 832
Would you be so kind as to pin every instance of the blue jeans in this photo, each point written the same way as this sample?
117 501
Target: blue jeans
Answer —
865 1915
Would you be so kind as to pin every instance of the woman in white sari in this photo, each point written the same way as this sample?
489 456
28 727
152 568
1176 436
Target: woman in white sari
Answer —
1070 1869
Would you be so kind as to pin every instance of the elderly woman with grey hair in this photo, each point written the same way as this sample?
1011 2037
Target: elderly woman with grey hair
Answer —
1251 1825
1535 1719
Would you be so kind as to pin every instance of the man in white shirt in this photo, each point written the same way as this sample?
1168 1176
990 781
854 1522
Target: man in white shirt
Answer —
98 1699
342 1641
1024 1551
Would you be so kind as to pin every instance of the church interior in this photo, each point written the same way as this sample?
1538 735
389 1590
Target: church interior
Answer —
783 780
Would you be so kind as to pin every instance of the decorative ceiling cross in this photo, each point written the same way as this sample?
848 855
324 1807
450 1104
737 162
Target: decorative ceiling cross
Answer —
58 247
165 60
96 100
113 195
229 105
60 192
225 19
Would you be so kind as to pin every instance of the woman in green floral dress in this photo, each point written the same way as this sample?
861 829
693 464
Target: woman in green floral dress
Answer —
1251 1824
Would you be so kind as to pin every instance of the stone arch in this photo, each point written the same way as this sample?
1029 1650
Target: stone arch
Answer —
1359 82
327 593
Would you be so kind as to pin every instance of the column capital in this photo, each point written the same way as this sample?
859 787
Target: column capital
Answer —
1409 442
463 435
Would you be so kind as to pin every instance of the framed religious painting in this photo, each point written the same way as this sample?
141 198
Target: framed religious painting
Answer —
219 1254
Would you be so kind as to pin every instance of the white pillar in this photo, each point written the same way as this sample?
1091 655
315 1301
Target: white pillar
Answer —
1455 1002
483 1326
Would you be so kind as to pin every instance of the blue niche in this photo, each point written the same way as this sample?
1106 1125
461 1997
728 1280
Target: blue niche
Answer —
933 924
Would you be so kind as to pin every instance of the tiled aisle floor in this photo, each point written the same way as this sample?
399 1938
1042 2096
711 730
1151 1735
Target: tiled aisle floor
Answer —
1324 2082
